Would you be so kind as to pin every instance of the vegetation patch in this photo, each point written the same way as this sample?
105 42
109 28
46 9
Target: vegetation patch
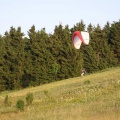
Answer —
70 98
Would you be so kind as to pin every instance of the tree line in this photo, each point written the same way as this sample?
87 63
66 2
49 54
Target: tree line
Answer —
43 58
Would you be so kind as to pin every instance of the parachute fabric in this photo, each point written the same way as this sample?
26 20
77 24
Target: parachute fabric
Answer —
80 37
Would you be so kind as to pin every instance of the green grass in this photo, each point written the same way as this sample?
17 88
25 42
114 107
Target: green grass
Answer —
91 97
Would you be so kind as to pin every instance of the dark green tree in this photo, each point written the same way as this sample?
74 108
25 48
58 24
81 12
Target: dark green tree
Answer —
14 58
90 28
39 57
114 39
2 64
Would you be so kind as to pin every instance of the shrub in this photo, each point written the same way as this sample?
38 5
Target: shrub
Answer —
6 101
87 82
46 92
20 105
29 98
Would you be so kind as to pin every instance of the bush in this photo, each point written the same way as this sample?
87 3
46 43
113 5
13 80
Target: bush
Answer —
6 101
29 98
46 92
20 105
87 82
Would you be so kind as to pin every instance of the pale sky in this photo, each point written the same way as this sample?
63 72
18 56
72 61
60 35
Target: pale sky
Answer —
49 13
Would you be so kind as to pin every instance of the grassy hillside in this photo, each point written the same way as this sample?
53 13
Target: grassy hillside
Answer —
91 97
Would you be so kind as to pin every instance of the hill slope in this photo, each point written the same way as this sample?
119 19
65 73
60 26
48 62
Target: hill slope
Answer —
91 97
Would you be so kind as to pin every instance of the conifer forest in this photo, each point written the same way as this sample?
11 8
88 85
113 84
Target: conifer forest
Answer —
42 57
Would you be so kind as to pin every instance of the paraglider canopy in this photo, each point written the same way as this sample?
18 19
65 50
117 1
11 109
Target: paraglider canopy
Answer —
80 37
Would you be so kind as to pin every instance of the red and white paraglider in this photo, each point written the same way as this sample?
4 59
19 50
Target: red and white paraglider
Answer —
80 37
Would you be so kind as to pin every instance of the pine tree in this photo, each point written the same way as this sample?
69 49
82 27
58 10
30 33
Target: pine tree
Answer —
89 59
114 39
112 60
14 57
2 61
39 57
100 45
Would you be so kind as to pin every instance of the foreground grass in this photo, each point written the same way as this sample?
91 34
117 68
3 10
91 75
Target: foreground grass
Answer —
91 97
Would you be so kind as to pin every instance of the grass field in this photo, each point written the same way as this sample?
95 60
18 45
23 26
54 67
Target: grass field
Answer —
91 97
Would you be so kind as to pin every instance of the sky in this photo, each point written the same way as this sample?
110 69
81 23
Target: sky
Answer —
49 13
